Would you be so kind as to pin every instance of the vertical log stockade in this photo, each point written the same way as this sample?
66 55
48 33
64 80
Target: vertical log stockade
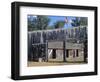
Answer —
38 41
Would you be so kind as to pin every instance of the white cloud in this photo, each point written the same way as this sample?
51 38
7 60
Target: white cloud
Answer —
32 16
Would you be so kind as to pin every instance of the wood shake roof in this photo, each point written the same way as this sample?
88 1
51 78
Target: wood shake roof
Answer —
59 45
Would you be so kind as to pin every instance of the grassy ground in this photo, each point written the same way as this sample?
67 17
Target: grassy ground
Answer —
52 63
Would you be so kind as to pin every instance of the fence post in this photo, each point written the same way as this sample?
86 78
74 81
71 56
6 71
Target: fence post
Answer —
64 51
46 50
30 54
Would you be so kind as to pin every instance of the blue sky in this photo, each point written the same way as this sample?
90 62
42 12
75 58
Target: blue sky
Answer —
54 19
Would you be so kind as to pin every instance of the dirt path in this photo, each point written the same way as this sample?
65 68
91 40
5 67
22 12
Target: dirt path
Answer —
50 63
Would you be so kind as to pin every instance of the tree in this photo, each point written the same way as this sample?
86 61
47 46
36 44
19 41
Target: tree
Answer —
59 24
51 27
79 21
38 23
42 22
83 21
31 24
75 22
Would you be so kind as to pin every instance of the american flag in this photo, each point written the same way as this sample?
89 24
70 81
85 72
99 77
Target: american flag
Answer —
66 20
